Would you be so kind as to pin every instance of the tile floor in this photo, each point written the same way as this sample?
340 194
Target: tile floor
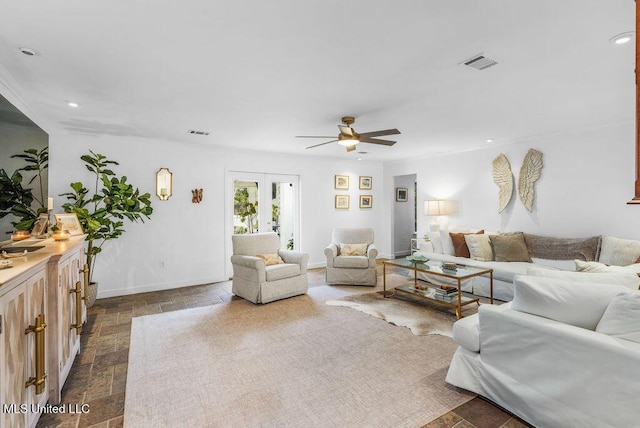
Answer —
99 373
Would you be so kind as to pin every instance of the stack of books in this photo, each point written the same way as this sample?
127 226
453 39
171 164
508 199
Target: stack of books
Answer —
446 292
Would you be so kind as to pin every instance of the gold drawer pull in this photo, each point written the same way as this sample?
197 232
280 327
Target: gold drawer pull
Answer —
38 330
78 292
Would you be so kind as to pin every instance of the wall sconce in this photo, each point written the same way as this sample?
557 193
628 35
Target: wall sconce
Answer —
435 208
164 184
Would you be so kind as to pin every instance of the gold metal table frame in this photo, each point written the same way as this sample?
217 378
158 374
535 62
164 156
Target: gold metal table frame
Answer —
462 273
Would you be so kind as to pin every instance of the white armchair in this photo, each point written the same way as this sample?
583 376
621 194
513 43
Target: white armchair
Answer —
256 279
357 265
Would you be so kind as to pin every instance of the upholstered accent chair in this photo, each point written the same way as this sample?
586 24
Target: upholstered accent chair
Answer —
262 272
351 257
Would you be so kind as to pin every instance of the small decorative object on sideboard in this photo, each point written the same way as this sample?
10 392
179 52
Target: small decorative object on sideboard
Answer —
449 266
19 235
61 235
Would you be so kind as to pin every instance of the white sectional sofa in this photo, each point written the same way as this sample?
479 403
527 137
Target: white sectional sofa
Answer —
564 353
545 252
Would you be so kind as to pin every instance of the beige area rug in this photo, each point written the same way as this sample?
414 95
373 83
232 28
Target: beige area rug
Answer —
292 363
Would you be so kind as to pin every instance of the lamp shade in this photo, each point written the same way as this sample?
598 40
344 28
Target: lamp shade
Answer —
435 207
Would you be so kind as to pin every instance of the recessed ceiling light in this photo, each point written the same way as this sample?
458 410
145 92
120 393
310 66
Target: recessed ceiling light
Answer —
28 52
490 140
72 104
622 38
359 158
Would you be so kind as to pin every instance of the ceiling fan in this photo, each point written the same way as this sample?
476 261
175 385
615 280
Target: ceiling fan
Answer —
350 138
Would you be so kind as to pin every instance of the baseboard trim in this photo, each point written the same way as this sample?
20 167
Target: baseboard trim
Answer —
156 287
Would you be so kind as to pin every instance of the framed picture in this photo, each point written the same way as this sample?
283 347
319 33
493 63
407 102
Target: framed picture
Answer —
402 194
41 225
365 183
342 202
70 222
342 182
366 201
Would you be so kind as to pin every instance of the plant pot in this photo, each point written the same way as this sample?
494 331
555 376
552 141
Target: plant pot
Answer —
93 292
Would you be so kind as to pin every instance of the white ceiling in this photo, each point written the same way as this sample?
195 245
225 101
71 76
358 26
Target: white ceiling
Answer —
257 73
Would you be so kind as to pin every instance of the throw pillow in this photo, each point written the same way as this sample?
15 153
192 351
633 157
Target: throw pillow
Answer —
479 247
271 259
626 278
510 247
622 317
445 238
578 304
353 249
434 237
460 248
619 252
601 267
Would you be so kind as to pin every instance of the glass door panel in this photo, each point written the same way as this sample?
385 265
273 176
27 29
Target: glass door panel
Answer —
283 212
246 202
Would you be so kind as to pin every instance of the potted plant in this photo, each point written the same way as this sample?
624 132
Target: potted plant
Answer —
102 210
18 200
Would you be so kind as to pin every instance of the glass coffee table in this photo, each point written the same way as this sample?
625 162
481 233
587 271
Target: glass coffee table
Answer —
428 291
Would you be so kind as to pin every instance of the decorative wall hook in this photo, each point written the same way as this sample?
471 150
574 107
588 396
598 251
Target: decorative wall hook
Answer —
196 196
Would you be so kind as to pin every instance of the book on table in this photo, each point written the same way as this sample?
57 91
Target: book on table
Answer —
446 290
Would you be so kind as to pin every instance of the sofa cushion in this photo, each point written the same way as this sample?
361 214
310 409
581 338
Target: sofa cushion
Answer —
569 302
466 333
510 247
598 267
625 278
282 271
546 247
479 247
460 248
619 252
434 237
622 317
353 249
360 262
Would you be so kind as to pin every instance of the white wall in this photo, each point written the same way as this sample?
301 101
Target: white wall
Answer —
586 181
190 238
403 216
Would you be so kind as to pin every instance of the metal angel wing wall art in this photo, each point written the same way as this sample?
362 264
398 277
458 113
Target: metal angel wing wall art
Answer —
503 177
529 174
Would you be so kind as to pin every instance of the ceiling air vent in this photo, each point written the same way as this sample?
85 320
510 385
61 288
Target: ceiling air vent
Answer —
480 62
194 132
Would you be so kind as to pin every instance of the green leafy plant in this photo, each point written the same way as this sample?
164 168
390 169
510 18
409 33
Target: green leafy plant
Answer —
17 200
245 209
102 211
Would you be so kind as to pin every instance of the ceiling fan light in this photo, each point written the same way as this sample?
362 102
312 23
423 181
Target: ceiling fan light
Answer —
348 140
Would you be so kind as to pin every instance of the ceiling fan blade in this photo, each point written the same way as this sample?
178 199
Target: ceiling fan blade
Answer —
379 133
346 130
351 148
377 141
321 144
314 136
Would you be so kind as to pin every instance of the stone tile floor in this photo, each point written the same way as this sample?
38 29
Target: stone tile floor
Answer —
99 373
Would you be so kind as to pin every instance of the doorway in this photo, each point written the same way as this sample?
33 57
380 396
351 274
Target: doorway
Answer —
404 215
261 202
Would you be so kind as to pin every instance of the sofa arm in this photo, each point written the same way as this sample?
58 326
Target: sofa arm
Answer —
295 257
251 262
331 252
372 251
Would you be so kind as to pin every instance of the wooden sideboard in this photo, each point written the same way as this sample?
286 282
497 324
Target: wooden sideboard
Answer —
41 315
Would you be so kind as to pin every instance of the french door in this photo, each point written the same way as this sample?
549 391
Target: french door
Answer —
259 202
